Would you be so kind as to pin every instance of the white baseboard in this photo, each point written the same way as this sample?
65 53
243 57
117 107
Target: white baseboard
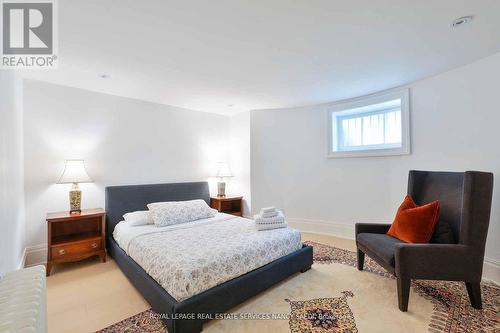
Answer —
22 264
491 267
341 230
35 255
491 270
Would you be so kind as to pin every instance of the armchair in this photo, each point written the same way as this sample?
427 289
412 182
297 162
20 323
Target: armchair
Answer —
465 199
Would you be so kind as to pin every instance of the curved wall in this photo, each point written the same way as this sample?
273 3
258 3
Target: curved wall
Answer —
455 126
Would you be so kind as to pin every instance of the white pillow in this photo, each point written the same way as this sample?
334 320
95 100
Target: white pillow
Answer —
176 212
140 217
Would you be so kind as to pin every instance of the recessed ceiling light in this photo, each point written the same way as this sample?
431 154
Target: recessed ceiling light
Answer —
103 76
230 105
461 21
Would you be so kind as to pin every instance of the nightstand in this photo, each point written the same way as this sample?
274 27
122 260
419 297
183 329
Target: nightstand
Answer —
73 237
228 205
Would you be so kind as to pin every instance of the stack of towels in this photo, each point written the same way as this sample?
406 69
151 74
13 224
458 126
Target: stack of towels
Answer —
270 218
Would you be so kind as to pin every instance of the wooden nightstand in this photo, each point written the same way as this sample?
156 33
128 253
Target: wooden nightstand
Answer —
73 237
228 205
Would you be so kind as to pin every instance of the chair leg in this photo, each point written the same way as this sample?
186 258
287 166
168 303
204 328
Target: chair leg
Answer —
474 290
403 293
361 260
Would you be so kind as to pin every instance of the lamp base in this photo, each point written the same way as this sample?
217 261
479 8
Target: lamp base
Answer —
75 200
221 189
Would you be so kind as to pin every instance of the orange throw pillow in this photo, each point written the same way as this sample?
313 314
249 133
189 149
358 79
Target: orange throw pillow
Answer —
415 224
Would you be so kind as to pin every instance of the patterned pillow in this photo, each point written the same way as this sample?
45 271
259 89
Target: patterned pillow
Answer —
175 212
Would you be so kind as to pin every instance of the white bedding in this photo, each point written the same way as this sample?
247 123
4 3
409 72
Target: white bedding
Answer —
187 259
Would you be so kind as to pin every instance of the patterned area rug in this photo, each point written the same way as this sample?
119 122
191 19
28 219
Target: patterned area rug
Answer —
452 312
322 315
143 322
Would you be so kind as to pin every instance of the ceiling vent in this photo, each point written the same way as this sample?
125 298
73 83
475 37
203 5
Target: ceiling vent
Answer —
461 21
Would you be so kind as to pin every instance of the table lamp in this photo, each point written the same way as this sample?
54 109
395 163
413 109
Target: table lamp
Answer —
74 173
223 171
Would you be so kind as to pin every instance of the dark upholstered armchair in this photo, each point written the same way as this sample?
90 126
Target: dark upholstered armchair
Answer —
465 199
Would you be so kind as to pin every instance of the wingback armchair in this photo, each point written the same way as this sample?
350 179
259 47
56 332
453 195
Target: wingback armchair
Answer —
465 199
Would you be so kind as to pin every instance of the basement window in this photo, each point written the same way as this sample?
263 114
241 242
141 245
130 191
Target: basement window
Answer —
371 126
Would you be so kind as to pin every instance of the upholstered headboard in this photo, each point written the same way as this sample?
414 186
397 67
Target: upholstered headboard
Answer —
129 198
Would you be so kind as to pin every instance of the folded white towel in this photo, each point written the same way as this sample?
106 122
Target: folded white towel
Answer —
266 223
271 209
279 218
269 214
261 227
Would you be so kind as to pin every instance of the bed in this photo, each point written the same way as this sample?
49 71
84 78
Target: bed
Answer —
185 309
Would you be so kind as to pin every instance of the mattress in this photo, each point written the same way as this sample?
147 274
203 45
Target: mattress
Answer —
189 258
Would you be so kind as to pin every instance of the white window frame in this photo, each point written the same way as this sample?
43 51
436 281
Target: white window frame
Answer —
334 109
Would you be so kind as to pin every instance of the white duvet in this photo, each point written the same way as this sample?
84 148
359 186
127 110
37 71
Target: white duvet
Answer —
187 259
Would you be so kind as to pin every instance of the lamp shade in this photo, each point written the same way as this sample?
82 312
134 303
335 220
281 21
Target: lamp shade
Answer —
74 172
223 170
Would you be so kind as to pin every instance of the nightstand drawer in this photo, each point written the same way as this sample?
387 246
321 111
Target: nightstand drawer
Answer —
72 250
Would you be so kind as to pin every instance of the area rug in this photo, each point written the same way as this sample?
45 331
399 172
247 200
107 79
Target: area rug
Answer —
145 322
316 305
452 310
322 315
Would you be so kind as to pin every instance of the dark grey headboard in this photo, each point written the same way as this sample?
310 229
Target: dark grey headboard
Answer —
129 198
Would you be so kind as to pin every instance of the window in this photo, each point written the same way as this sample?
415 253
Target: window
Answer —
372 126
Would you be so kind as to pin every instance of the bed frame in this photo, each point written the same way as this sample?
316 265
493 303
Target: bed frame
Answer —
189 315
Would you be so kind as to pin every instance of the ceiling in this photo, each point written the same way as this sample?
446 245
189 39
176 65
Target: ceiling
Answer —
227 56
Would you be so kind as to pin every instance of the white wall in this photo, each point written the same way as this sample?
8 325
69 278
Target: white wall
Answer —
11 173
123 141
239 158
455 120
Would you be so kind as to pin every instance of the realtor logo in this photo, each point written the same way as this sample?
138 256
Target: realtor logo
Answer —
28 34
